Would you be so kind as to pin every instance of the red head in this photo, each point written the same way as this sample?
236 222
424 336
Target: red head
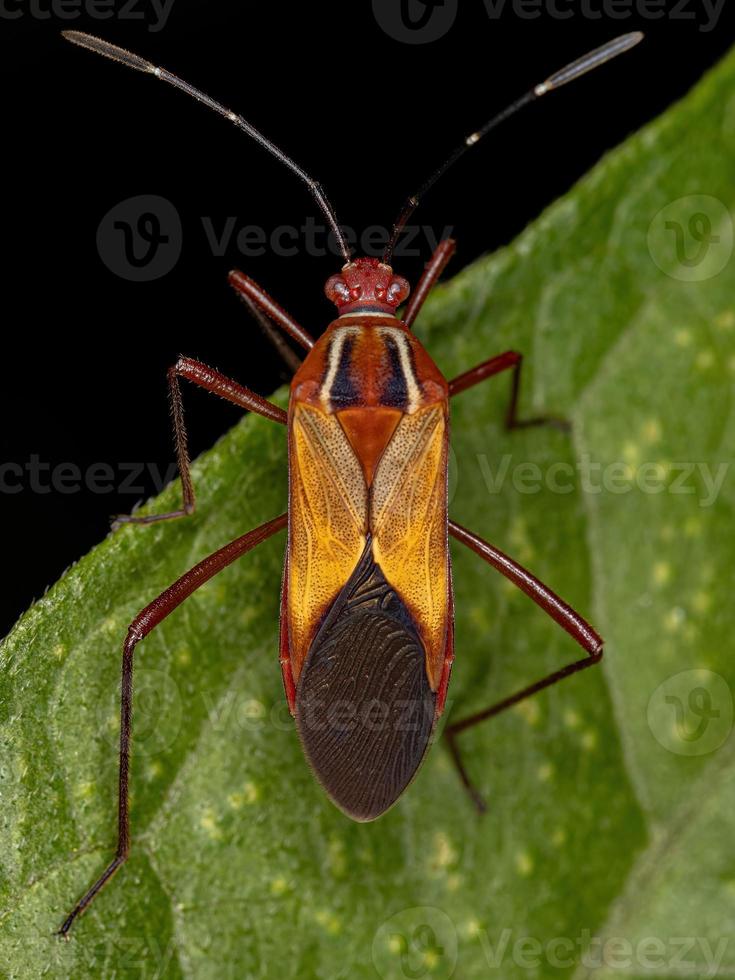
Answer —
367 285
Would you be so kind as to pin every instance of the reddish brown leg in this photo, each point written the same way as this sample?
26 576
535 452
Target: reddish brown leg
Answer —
434 268
141 626
218 384
510 360
559 611
245 286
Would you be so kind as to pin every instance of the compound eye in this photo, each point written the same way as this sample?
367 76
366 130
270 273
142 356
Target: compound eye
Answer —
355 292
398 291
337 290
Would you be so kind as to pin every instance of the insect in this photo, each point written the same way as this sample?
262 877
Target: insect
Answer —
367 633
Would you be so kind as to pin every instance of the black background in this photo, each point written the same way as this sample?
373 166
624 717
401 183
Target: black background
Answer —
85 351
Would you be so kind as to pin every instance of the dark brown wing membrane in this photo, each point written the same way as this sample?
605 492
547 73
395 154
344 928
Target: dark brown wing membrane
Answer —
364 708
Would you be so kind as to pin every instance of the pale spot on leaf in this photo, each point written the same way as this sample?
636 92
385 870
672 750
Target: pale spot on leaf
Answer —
279 886
651 431
529 710
702 602
674 619
329 921
705 359
208 823
545 772
589 740
631 454
444 855
571 718
524 863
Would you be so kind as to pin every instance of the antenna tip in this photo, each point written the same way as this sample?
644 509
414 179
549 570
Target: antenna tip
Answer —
628 41
591 60
108 50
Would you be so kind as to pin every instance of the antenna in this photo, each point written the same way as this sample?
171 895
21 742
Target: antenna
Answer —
579 67
112 51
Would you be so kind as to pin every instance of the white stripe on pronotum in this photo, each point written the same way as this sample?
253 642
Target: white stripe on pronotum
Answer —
409 374
334 356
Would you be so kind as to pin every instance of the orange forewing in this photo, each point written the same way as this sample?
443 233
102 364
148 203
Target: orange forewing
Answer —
408 522
327 522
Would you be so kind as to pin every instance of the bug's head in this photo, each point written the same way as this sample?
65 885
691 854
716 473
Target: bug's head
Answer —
367 286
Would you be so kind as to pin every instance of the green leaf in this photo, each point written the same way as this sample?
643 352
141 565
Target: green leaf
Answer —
611 796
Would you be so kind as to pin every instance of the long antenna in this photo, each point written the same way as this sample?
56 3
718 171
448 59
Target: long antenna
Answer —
112 51
579 67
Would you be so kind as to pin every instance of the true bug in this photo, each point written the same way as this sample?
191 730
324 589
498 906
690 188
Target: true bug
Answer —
366 601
